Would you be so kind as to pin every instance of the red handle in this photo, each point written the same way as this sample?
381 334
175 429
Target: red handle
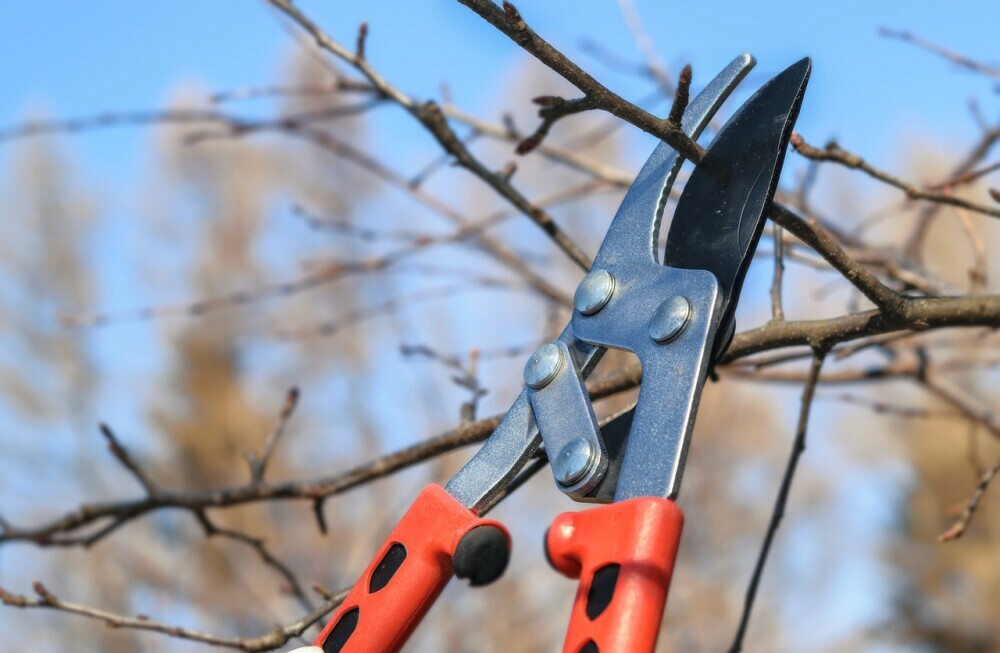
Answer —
436 538
623 554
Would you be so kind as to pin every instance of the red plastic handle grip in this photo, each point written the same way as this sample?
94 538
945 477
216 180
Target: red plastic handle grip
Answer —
402 582
623 554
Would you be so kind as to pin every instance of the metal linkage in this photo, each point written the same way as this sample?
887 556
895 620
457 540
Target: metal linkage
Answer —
517 437
565 417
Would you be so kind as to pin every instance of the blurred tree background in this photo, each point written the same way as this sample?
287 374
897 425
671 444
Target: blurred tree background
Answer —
294 261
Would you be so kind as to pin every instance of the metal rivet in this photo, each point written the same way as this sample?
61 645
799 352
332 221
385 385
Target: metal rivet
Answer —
669 319
574 461
594 292
543 365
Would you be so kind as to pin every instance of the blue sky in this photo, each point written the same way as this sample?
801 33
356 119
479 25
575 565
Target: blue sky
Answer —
85 57
73 58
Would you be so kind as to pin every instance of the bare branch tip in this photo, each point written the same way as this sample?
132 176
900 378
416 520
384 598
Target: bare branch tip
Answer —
291 402
107 432
681 97
320 517
548 100
44 594
953 533
529 144
123 456
362 37
323 591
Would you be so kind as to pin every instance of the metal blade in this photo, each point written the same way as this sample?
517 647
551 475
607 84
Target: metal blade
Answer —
721 213
634 232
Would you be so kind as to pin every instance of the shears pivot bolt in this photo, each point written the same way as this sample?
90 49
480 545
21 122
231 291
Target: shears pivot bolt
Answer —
594 292
574 461
543 366
669 319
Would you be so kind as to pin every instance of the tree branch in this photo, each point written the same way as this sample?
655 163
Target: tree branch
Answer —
812 234
431 117
267 642
834 153
123 456
259 465
269 559
954 57
510 22
778 513
777 310
959 528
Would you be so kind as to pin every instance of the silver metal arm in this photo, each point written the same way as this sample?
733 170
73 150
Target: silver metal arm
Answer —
634 231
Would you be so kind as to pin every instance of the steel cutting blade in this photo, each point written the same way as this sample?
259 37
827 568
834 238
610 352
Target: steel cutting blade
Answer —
721 213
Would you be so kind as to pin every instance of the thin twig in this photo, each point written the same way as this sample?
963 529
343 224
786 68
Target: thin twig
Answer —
811 233
431 117
915 242
258 465
888 408
257 544
76 528
777 311
959 528
267 642
68 530
644 43
510 22
834 153
978 269
681 98
123 456
778 513
328 328
553 108
298 126
332 271
960 399
954 57
966 178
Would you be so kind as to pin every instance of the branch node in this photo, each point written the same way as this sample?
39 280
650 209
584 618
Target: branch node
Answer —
206 524
47 597
508 171
552 109
258 465
514 17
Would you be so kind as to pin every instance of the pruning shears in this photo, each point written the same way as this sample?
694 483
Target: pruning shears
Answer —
678 318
